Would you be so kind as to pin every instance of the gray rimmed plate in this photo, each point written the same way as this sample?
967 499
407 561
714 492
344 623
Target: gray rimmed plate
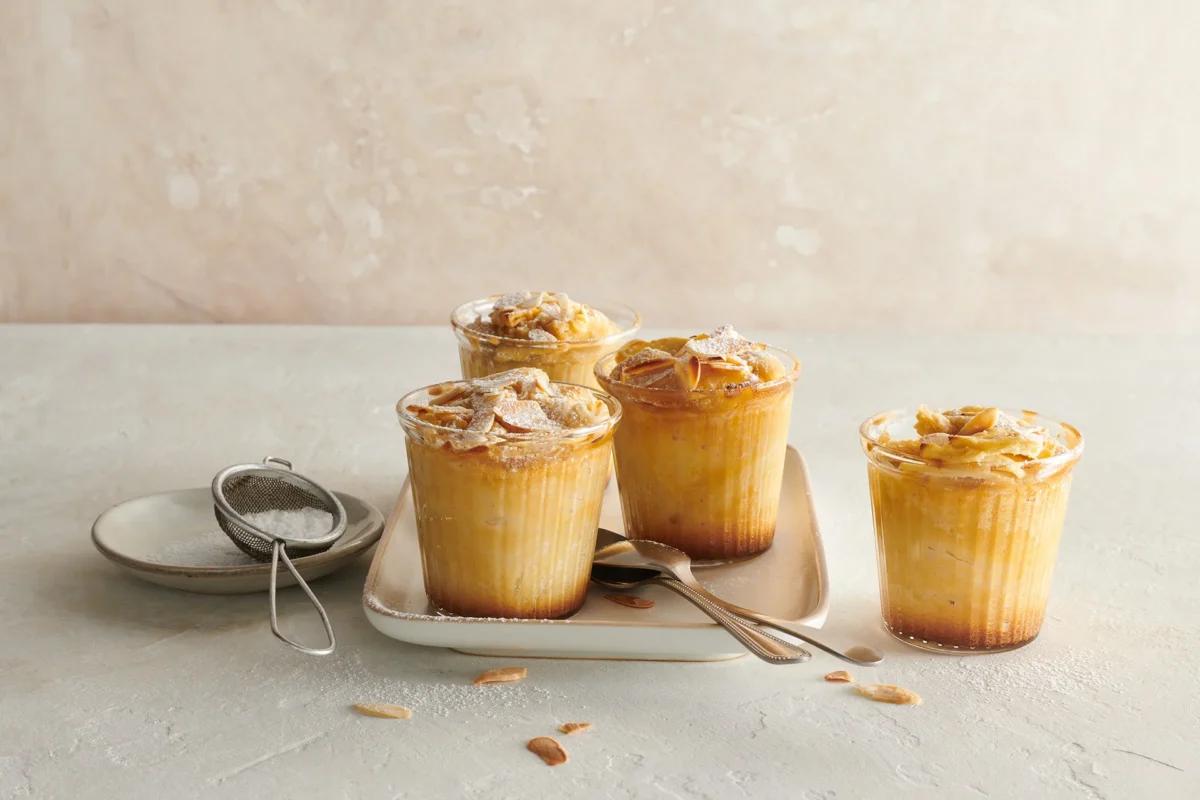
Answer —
148 537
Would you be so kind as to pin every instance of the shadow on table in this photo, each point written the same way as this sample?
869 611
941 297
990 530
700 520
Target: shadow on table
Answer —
92 588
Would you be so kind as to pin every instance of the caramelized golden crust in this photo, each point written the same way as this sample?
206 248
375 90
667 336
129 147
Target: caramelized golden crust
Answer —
722 359
544 317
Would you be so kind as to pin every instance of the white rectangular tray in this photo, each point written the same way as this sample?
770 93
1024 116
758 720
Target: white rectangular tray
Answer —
787 581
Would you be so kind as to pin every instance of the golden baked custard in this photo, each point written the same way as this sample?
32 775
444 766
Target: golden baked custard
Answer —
700 451
969 506
508 473
546 330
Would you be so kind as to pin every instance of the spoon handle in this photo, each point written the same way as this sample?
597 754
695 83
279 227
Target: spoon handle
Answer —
863 656
762 644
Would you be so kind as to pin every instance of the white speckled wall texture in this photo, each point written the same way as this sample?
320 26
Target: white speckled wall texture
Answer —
810 165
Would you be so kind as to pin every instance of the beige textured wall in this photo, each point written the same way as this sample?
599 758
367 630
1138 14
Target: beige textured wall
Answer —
816 165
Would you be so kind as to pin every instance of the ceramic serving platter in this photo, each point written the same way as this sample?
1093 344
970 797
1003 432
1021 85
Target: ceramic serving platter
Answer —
137 533
788 581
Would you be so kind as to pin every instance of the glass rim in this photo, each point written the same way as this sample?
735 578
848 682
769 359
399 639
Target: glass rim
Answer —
791 365
870 441
410 421
618 309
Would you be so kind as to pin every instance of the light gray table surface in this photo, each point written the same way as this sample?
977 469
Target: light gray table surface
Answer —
110 687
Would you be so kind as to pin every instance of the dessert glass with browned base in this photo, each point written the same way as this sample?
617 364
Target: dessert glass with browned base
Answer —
508 529
702 470
966 553
481 354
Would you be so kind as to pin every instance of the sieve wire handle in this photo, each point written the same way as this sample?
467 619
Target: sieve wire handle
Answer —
278 553
283 462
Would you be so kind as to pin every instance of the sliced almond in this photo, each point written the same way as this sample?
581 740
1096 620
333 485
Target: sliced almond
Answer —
629 601
647 367
930 421
570 728
446 416
980 422
523 416
446 393
840 676
888 693
688 372
383 710
501 675
547 750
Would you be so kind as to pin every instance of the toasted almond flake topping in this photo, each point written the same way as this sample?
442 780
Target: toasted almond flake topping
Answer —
523 416
571 728
501 675
548 750
722 359
383 710
687 370
888 693
840 676
980 422
647 365
630 601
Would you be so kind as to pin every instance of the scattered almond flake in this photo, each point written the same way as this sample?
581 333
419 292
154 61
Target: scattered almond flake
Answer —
548 750
383 710
501 675
571 728
630 601
839 676
888 693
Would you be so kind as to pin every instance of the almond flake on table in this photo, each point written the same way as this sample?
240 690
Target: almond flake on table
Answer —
501 675
570 728
839 676
888 693
548 750
383 710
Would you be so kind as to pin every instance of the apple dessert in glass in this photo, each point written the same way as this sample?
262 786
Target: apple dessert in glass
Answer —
546 330
508 473
969 506
700 452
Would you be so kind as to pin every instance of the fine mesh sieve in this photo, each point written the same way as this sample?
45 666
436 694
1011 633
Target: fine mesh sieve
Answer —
272 486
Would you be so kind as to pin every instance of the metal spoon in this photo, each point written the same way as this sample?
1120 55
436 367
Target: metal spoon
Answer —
613 548
769 648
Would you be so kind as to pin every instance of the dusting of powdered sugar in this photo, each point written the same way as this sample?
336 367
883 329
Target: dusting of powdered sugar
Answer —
209 549
214 549
297 523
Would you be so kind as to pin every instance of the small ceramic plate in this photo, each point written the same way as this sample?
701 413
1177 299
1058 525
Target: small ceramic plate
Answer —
152 537
788 581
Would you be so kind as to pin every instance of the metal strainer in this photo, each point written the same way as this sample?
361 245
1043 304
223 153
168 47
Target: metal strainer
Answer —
273 486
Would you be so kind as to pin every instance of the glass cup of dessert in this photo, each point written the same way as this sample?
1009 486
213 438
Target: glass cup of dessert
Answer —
701 450
969 506
546 330
508 473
